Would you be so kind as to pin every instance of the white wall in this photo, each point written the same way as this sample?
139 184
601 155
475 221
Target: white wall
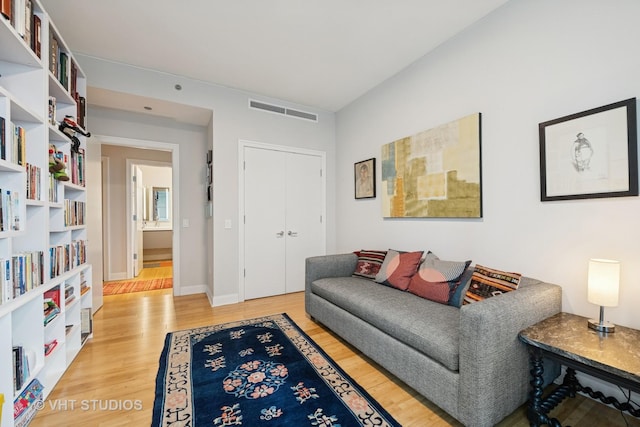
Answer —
529 62
232 121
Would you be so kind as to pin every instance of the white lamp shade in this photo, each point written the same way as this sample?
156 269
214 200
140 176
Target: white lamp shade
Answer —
604 282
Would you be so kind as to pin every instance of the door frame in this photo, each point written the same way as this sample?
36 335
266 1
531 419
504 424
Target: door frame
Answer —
175 183
242 144
130 162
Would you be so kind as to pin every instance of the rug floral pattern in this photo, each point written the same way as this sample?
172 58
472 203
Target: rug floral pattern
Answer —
256 372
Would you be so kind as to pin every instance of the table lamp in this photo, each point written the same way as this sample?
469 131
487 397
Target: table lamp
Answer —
602 289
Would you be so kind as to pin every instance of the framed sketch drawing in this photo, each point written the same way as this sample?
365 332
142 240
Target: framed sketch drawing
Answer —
591 154
364 173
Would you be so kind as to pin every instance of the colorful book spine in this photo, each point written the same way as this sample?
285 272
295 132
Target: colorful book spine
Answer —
26 404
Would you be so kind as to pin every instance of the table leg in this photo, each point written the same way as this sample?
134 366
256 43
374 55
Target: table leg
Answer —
538 408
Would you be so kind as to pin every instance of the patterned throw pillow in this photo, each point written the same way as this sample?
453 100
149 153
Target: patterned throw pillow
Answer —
398 268
369 263
488 282
436 279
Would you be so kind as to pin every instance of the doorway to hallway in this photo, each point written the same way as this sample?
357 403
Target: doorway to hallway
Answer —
119 221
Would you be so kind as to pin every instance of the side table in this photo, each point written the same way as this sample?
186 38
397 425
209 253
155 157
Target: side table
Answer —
566 338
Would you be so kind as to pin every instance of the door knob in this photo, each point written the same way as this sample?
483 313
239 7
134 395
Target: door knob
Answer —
280 234
293 233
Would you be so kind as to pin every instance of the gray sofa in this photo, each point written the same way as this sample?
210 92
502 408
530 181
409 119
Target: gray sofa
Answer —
466 360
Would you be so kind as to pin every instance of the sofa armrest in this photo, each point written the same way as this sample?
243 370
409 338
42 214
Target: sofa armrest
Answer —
319 267
494 364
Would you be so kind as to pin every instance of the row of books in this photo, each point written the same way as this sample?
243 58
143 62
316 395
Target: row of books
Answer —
26 23
9 210
33 182
19 144
66 72
17 139
21 368
66 257
74 213
20 274
81 101
76 167
69 294
58 61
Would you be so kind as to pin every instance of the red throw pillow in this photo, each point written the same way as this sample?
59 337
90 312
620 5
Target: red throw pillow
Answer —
398 268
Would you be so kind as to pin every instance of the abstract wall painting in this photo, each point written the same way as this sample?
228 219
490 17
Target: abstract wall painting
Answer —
591 154
435 173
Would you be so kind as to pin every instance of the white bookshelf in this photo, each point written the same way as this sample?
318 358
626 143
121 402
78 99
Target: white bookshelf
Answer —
38 223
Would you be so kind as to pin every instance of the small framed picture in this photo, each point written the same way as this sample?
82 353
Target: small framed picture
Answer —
592 154
365 179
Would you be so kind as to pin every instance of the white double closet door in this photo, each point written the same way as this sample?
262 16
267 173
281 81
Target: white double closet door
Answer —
284 208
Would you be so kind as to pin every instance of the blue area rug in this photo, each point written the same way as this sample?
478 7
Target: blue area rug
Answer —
257 372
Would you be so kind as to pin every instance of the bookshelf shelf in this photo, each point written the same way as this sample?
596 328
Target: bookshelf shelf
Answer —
6 166
42 231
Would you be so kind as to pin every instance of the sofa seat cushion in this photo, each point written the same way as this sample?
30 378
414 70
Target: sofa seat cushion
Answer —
427 326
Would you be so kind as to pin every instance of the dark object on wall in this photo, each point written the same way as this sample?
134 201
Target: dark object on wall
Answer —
364 173
592 154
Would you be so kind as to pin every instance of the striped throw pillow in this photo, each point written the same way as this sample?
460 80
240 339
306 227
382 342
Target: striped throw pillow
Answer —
369 262
488 282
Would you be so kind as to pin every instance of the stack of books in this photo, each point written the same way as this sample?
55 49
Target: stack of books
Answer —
51 310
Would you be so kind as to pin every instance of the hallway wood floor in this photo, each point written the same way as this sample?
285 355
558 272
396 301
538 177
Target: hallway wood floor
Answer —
118 365
150 271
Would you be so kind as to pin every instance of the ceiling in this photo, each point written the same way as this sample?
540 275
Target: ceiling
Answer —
322 53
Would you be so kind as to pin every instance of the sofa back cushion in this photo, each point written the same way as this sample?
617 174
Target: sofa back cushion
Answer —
398 268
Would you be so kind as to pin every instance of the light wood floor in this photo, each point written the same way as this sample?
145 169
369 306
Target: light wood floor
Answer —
148 273
119 365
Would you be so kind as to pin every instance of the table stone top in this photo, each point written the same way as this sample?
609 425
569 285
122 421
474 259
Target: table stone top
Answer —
568 335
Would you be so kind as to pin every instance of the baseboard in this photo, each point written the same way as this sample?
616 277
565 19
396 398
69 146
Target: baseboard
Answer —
225 300
158 257
193 289
209 296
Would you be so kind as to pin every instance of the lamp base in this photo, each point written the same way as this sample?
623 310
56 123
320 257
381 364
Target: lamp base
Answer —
600 326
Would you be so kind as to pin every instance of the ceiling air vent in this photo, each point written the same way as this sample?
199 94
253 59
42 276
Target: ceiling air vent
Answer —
277 109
